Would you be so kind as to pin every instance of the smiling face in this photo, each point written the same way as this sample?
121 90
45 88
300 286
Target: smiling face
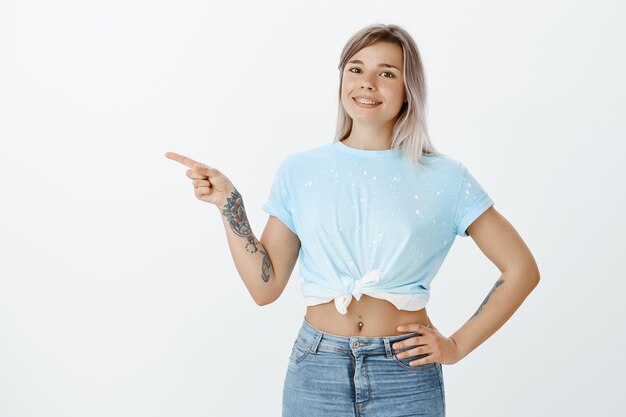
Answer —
375 72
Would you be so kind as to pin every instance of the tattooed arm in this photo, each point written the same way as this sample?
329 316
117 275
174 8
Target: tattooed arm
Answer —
501 243
265 268
265 277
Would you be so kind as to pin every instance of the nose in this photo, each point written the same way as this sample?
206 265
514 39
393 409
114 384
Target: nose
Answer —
366 83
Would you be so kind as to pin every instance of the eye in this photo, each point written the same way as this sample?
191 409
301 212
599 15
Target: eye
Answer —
385 72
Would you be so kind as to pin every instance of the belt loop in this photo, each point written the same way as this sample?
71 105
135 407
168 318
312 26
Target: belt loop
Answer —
316 342
388 352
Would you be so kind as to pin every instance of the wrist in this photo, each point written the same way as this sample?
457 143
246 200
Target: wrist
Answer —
221 205
457 349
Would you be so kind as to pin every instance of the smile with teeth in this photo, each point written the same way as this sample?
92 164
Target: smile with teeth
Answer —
366 101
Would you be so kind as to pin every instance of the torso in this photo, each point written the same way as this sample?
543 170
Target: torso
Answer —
377 318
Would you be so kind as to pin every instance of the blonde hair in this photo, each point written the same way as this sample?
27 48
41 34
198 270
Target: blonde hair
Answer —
410 132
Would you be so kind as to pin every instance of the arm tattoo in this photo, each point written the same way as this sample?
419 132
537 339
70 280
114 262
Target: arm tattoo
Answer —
497 284
235 212
252 242
266 267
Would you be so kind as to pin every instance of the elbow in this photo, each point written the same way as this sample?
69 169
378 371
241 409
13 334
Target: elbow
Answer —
531 272
526 275
264 301
533 277
260 301
271 294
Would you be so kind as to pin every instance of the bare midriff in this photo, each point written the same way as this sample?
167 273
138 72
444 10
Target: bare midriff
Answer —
368 317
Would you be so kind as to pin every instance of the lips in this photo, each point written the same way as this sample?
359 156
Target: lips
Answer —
367 106
366 98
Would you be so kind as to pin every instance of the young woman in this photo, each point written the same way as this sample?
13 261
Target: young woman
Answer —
371 217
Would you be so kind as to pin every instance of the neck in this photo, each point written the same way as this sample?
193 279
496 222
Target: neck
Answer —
369 137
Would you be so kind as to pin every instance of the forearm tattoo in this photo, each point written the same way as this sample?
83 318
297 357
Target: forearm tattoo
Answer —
266 267
235 213
497 284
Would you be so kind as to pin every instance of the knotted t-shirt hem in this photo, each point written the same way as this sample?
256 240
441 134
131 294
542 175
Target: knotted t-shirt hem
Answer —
408 302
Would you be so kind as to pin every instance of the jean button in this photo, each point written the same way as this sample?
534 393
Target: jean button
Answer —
355 344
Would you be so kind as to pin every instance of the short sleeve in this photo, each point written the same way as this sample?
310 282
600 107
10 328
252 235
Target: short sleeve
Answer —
472 201
279 201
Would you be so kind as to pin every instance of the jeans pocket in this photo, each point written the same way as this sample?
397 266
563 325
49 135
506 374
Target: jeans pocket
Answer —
404 362
301 349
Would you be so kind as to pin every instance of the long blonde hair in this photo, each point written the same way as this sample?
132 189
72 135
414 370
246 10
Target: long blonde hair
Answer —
410 132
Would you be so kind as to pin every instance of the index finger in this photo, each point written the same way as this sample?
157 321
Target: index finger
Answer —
182 159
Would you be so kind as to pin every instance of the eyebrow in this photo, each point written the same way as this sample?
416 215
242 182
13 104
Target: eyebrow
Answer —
358 61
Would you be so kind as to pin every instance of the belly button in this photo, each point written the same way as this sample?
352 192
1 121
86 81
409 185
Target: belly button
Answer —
360 324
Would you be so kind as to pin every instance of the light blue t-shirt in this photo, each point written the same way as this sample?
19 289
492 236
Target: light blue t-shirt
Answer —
371 223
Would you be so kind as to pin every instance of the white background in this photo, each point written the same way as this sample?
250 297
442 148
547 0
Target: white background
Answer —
118 294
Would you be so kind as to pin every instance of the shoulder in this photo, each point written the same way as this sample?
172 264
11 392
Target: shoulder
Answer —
444 166
307 158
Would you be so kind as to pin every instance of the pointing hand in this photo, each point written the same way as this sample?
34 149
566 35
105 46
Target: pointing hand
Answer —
210 185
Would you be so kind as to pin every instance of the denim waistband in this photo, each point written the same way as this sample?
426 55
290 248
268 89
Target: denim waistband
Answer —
314 338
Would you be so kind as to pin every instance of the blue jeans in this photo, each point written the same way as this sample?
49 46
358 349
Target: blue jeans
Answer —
336 376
